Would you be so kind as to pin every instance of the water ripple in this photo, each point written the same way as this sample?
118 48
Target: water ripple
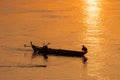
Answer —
24 66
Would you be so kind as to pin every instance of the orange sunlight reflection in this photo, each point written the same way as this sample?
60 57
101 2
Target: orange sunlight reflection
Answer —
92 20
93 34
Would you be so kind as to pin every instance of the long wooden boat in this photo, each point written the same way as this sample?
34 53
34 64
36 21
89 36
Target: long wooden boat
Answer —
58 52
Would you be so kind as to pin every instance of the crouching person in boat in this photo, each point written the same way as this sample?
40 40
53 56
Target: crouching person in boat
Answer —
84 49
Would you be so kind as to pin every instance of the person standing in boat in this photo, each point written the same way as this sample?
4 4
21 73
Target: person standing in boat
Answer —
84 49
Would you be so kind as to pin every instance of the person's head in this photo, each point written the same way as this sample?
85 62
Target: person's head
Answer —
83 46
31 42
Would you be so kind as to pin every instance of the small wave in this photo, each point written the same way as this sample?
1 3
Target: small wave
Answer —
24 66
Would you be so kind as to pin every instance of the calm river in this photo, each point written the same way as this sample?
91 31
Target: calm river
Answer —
66 24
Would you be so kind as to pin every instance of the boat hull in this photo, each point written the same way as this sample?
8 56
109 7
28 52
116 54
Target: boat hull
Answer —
60 52
57 52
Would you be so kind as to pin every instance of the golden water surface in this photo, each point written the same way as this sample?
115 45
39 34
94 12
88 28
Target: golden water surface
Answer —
66 24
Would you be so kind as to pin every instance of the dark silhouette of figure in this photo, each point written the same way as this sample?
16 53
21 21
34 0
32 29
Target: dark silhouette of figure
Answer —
84 49
35 48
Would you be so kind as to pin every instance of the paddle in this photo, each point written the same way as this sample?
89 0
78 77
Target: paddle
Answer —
26 45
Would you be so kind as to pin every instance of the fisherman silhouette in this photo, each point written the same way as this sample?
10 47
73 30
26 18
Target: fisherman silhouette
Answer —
34 47
84 49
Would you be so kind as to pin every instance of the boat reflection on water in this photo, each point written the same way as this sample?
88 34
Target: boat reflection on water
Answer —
84 59
34 55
